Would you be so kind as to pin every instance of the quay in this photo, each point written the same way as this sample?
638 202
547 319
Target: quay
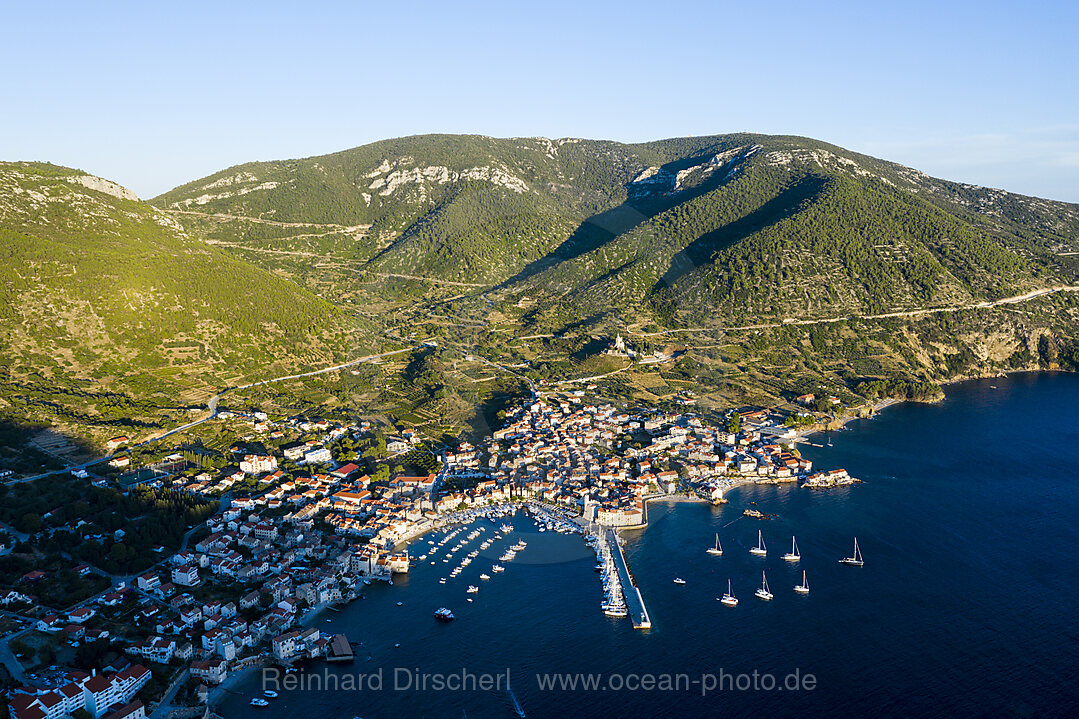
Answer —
638 614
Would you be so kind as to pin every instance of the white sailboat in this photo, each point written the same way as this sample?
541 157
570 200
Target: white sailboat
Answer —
802 588
716 550
729 599
792 556
763 592
856 560
760 550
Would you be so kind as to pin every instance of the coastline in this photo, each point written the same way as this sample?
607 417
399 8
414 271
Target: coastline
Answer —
226 687
869 411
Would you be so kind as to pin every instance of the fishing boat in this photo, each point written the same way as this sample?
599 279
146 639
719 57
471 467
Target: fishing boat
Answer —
760 550
485 576
763 592
679 580
856 559
259 702
444 615
802 588
472 589
716 550
729 599
793 555
270 694
498 568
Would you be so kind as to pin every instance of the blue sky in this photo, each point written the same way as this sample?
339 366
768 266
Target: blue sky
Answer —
153 95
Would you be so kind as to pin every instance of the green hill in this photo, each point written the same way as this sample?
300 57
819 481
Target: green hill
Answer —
534 250
112 313
742 224
769 264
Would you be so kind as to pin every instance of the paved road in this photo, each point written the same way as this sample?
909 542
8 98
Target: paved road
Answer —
165 705
985 304
14 666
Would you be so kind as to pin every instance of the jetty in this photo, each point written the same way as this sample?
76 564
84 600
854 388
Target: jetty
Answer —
638 614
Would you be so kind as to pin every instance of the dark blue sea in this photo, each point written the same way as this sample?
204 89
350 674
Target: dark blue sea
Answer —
966 606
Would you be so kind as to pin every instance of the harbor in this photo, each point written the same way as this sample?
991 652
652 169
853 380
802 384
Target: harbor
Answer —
543 615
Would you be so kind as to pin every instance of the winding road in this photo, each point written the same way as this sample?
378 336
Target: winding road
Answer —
985 304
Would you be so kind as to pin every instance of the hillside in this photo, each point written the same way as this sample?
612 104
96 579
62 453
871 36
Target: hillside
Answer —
114 317
767 266
746 224
770 264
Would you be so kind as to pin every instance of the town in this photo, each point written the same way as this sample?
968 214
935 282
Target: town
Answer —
296 525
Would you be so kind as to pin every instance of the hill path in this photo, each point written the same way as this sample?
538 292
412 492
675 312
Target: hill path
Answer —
985 304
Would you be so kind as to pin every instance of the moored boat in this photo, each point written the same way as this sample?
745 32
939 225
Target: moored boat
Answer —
856 559
729 599
760 550
764 593
793 555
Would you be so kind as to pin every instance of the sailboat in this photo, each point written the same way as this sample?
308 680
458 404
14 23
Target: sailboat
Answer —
763 592
856 560
760 550
729 599
716 550
792 556
802 588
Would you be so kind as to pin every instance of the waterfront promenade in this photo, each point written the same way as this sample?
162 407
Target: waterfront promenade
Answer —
638 614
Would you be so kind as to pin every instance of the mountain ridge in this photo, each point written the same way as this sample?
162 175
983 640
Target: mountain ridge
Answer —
531 251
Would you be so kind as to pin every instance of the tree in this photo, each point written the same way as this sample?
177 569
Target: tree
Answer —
21 649
30 523
46 655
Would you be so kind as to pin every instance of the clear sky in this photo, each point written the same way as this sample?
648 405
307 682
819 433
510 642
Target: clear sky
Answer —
153 95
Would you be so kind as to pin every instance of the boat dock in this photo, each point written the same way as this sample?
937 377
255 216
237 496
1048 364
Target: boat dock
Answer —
638 614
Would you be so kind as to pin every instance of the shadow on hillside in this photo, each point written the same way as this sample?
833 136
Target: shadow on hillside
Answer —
486 420
32 447
638 208
703 249
593 346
